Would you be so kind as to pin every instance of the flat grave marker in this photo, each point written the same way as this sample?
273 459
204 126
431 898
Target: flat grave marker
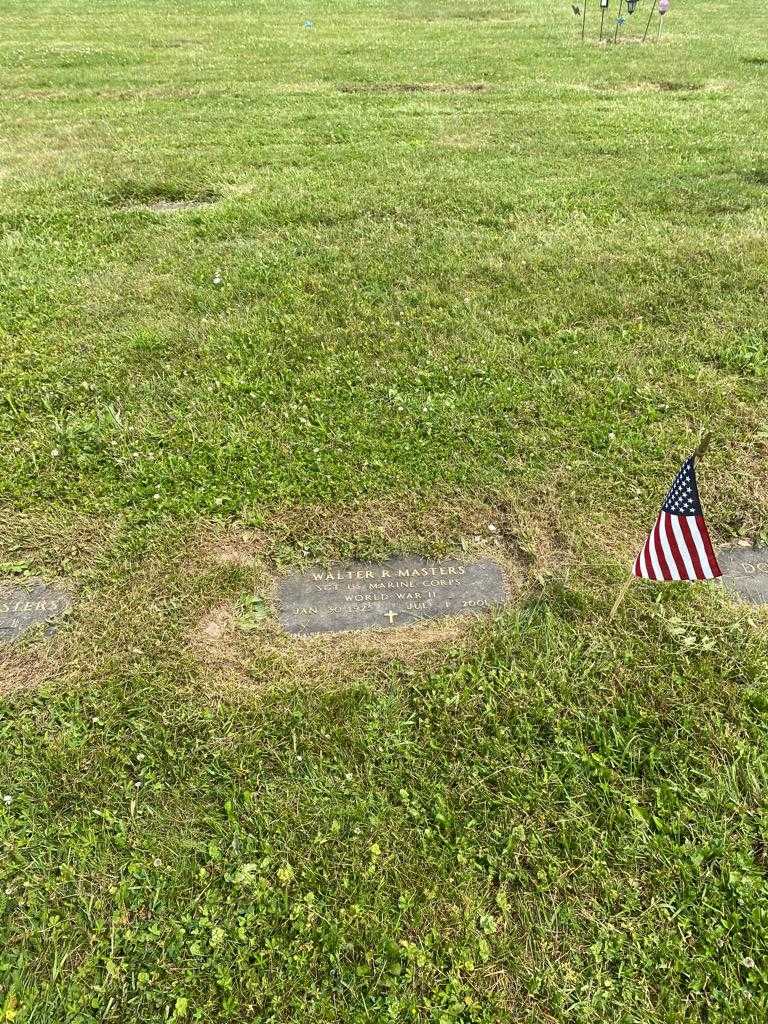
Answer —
745 571
387 595
23 605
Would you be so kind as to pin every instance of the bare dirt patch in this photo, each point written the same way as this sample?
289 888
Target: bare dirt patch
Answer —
159 198
171 44
217 645
27 668
254 660
499 17
173 205
412 87
680 86
650 86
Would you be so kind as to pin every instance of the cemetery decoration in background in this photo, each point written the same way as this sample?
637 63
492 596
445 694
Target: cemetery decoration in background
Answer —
663 7
631 6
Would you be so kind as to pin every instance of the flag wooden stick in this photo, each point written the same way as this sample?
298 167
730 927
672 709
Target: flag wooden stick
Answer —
584 21
649 20
602 19
704 444
700 452
620 598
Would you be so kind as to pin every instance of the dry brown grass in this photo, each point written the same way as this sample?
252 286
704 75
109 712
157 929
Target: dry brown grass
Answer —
52 543
499 526
62 549
266 656
28 667
171 205
182 603
233 660
649 86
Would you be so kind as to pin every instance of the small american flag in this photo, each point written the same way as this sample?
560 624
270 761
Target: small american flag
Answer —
678 547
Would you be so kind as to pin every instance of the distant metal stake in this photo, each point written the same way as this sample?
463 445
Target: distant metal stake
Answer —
649 19
584 21
618 22
602 19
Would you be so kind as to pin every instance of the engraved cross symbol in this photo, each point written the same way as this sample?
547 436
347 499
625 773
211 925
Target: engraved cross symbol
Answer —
391 616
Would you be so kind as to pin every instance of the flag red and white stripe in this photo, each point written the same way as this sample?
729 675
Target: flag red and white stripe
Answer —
679 546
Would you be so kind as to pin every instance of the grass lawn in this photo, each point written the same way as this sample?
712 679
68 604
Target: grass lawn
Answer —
284 283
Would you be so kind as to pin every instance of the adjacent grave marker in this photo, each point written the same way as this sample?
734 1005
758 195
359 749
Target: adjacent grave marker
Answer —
745 570
385 595
23 605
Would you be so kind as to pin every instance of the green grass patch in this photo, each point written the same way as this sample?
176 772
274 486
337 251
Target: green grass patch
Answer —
360 288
